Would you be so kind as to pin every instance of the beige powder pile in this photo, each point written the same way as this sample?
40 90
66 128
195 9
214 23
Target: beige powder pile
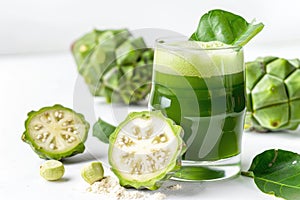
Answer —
111 188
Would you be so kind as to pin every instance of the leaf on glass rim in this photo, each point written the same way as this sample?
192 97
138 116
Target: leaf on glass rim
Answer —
277 172
102 130
226 27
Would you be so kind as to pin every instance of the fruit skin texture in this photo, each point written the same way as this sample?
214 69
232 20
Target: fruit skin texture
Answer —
273 94
154 182
52 170
114 65
44 154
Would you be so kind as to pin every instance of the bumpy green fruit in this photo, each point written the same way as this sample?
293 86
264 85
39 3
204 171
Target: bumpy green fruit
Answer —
56 132
273 94
114 65
145 149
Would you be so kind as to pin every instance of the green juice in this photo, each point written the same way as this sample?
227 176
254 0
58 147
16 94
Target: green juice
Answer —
203 91
210 110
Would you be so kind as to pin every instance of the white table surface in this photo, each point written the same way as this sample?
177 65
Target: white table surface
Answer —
29 82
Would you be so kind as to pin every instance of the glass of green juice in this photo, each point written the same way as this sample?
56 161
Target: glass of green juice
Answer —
201 86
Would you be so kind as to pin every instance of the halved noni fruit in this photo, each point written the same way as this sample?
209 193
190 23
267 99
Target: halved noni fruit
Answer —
56 132
145 149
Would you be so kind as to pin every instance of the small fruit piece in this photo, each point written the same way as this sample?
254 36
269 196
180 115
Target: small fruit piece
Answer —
92 172
52 170
56 132
145 149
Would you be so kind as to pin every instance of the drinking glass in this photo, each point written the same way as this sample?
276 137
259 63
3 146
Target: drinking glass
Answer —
202 88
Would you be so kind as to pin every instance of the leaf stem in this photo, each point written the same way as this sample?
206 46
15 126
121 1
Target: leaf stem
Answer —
247 174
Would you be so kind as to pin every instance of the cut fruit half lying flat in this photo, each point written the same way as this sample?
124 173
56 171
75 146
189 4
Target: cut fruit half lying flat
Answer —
56 132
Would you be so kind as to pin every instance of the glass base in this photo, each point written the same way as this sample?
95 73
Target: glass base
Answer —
208 170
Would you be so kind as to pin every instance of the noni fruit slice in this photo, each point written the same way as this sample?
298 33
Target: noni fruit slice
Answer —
56 132
145 149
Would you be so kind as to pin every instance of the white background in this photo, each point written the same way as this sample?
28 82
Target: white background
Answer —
35 25
37 69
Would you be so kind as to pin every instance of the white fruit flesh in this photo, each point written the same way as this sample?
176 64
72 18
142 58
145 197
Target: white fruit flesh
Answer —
144 148
57 130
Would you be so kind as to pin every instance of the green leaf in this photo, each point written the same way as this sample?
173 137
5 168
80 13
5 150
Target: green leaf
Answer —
102 130
226 27
277 172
